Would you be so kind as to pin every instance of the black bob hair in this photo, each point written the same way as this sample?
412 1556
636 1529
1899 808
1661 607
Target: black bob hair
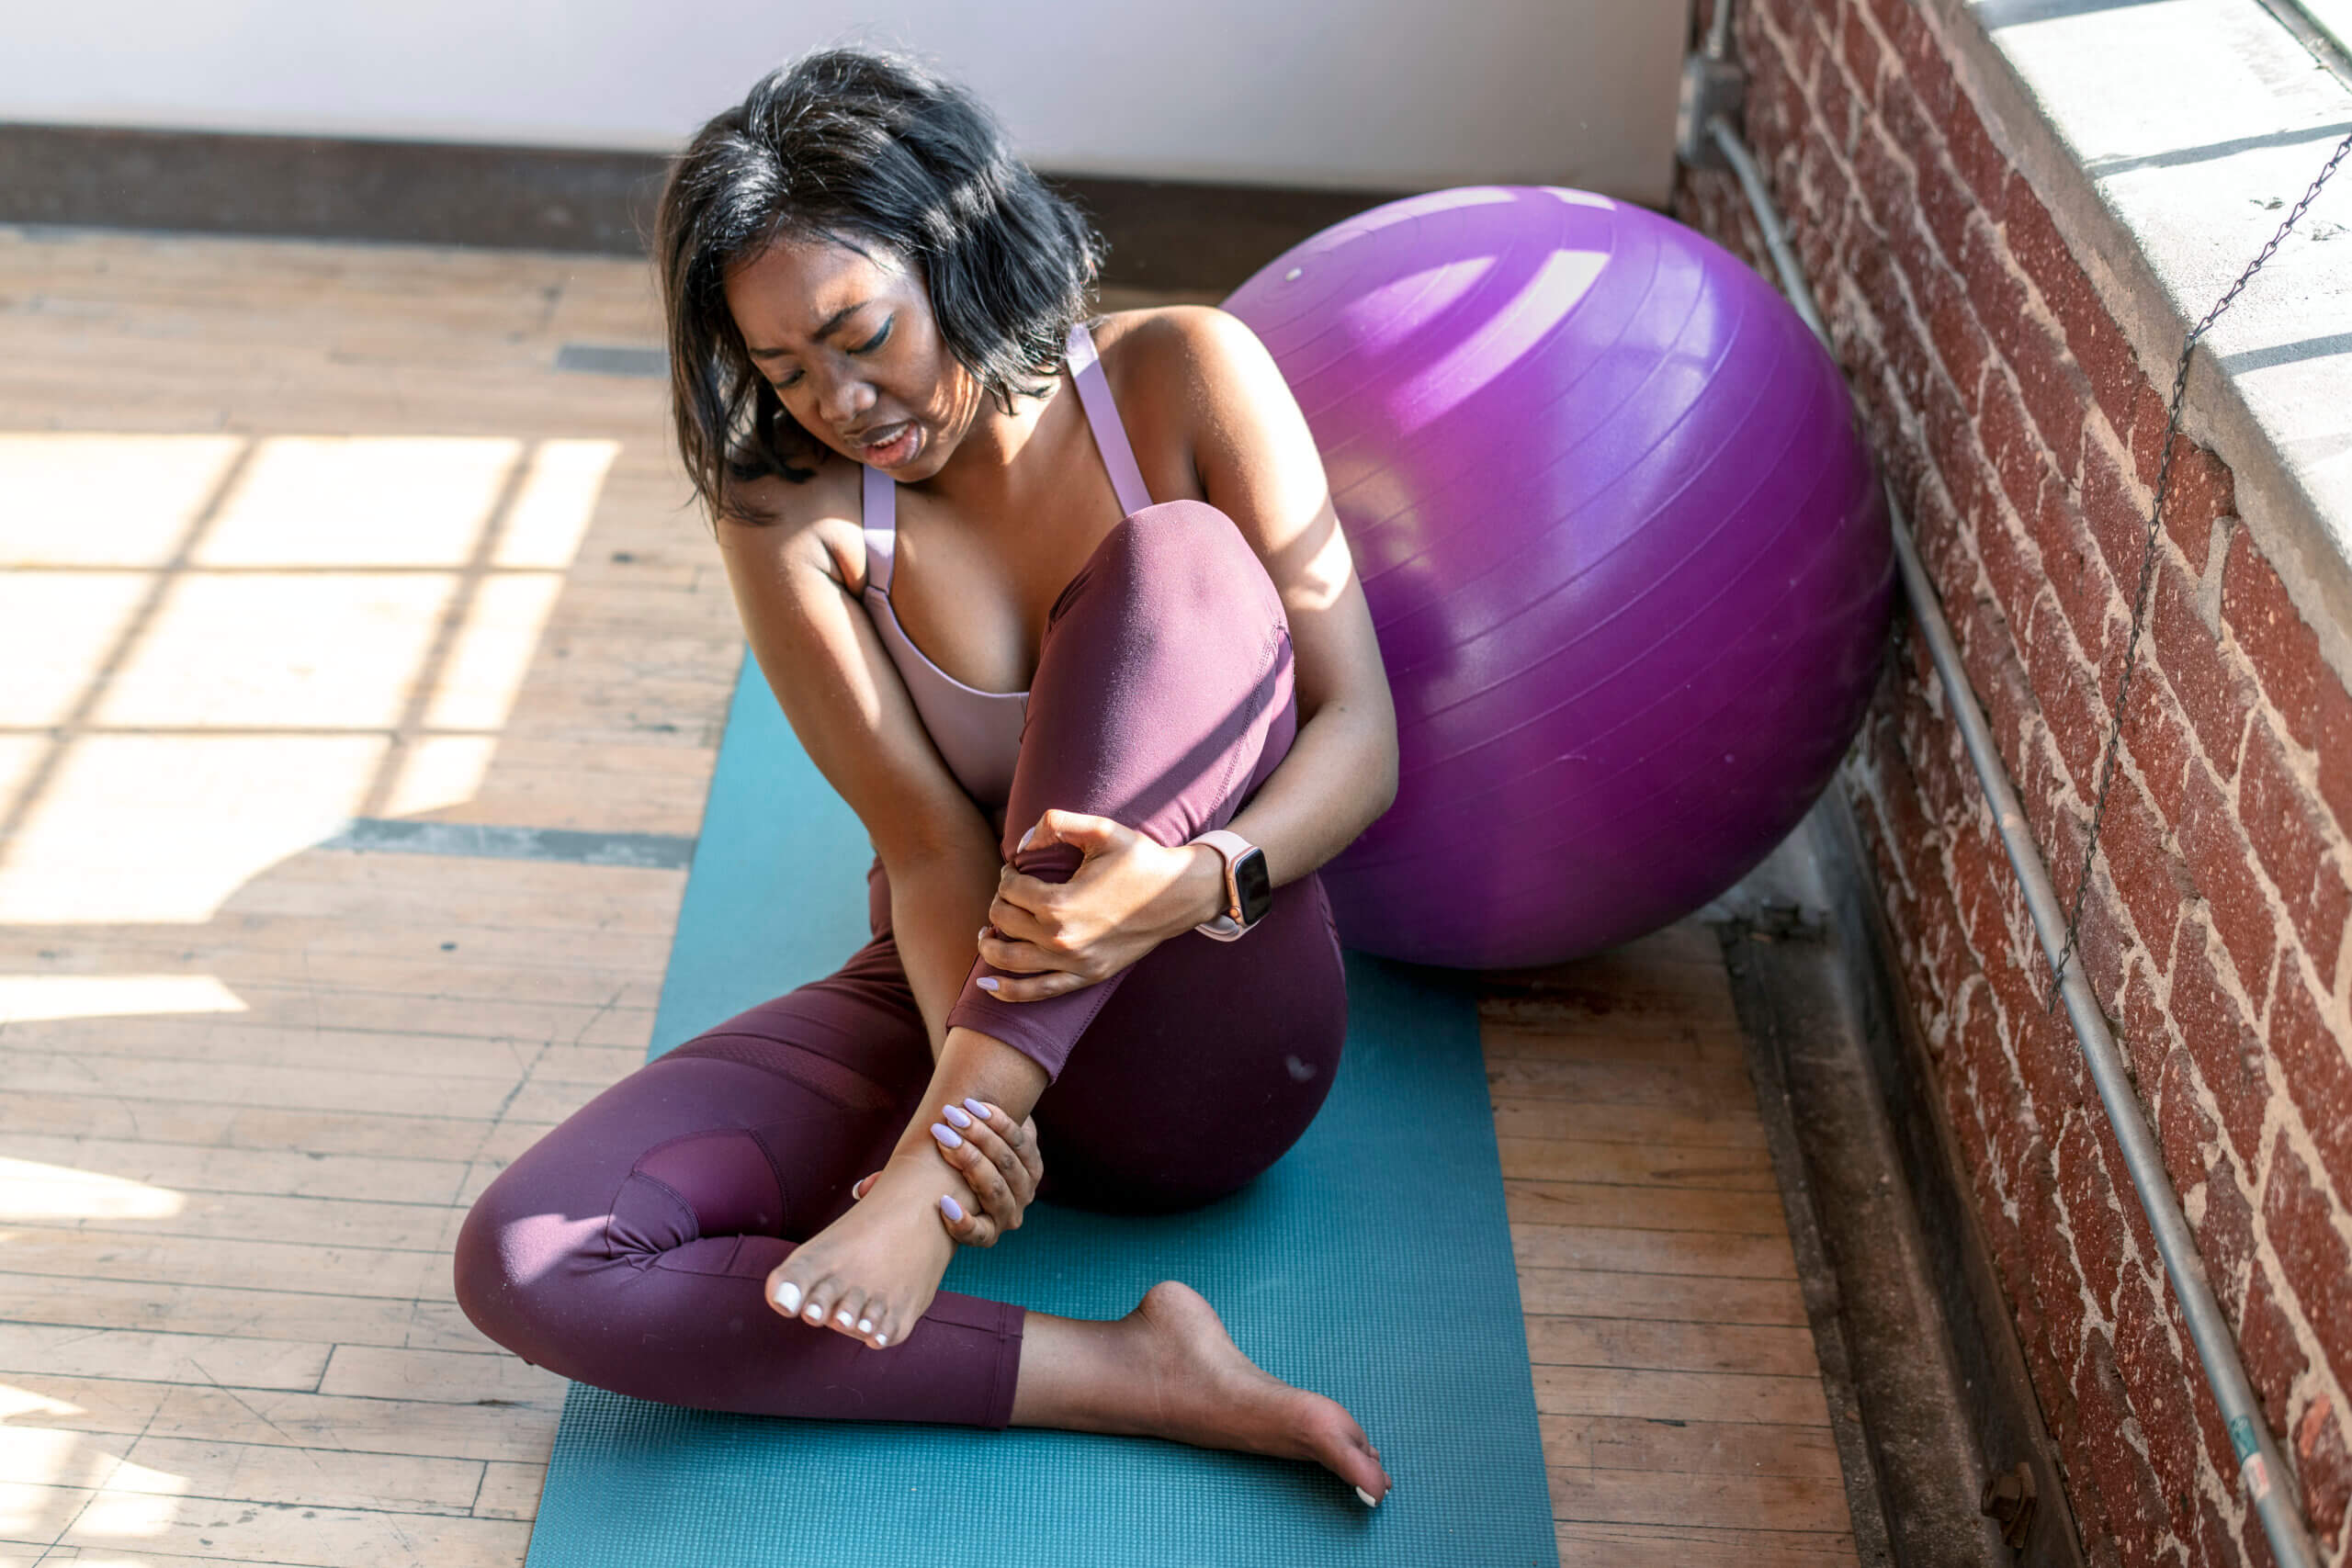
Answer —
870 148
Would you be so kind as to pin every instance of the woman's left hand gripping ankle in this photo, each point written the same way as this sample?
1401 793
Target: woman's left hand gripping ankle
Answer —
1000 1164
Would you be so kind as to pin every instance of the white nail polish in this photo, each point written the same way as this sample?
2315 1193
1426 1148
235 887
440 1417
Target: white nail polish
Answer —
880 1340
1369 1500
843 1318
815 1312
866 1325
788 1296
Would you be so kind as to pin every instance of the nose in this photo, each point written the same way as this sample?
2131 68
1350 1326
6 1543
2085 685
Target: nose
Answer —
843 400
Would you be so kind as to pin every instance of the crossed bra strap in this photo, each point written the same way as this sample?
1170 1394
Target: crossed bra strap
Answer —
881 491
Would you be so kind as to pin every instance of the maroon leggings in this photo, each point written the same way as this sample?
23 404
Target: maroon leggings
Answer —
629 1246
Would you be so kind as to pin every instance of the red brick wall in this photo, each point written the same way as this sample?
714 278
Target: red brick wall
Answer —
2022 436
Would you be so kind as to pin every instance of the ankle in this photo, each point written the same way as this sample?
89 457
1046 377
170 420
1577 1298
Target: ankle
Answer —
1087 1375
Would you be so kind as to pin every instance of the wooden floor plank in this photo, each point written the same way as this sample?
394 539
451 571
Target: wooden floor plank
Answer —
1588 1545
227 1124
1647 1344
133 1353
1632 1164
272 1217
509 1433
231 1042
1728 1126
92 1253
253 1311
1654 1252
1682 1396
1641 1208
1706 1448
1718 1502
268 1472
1593 1292
278 1532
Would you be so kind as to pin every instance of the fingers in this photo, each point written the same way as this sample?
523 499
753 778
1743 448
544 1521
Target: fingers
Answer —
1026 908
995 1135
1091 835
999 1181
1025 1146
1008 952
1031 987
969 1227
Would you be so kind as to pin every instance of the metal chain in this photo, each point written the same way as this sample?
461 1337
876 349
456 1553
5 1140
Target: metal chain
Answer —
2148 564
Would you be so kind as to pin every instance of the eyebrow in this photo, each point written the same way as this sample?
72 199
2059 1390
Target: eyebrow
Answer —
831 322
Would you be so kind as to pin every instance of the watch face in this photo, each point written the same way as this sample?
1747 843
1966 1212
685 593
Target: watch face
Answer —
1255 887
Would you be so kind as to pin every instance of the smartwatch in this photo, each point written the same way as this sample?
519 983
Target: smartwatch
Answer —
1248 888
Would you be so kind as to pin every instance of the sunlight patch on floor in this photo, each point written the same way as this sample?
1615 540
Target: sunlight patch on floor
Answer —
237 645
32 999
31 1192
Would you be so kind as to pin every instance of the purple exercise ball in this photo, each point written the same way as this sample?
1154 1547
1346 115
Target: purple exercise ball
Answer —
1624 548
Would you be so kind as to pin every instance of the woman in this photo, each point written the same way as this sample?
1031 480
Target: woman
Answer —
1063 611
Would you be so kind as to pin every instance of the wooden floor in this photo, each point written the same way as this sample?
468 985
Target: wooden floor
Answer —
298 534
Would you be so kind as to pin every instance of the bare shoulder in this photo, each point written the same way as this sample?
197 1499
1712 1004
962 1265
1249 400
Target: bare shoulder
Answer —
1191 381
813 522
1168 346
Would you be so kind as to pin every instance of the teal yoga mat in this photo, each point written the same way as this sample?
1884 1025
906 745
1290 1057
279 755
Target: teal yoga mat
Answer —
1372 1264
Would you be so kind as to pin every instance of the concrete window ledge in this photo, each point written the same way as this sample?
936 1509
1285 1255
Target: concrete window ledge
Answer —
2169 138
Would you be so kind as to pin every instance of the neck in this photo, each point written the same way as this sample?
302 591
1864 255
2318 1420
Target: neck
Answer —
980 479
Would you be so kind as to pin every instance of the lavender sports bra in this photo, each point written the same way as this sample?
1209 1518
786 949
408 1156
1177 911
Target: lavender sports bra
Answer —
979 733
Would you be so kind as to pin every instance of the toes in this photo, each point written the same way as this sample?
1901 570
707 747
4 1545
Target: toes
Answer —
786 1294
848 1312
817 1305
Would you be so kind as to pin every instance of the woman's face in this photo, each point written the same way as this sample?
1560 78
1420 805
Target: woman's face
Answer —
848 340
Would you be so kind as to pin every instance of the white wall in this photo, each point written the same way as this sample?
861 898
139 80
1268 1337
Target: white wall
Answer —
1379 93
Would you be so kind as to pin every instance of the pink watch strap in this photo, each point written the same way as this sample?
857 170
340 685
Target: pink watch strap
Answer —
1229 847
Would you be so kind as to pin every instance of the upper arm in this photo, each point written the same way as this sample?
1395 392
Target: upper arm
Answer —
835 682
1258 463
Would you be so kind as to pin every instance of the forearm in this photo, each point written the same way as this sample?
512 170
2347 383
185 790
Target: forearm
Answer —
938 905
1339 775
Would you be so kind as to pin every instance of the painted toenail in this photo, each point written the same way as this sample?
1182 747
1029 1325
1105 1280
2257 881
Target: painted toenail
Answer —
881 1339
843 1318
1369 1500
946 1135
956 1116
815 1312
787 1296
866 1325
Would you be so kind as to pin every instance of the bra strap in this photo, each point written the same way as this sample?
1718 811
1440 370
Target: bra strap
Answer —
880 521
1103 414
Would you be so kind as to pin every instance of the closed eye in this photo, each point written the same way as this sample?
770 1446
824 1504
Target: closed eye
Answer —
782 383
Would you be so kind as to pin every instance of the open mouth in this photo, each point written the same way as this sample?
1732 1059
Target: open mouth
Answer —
898 444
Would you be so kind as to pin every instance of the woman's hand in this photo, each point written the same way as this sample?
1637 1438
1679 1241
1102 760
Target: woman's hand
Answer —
1130 894
999 1162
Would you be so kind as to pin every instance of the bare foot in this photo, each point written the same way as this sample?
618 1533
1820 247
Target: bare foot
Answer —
872 1273
1176 1374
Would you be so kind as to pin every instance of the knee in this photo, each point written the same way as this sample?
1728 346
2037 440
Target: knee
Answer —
1181 557
509 1269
